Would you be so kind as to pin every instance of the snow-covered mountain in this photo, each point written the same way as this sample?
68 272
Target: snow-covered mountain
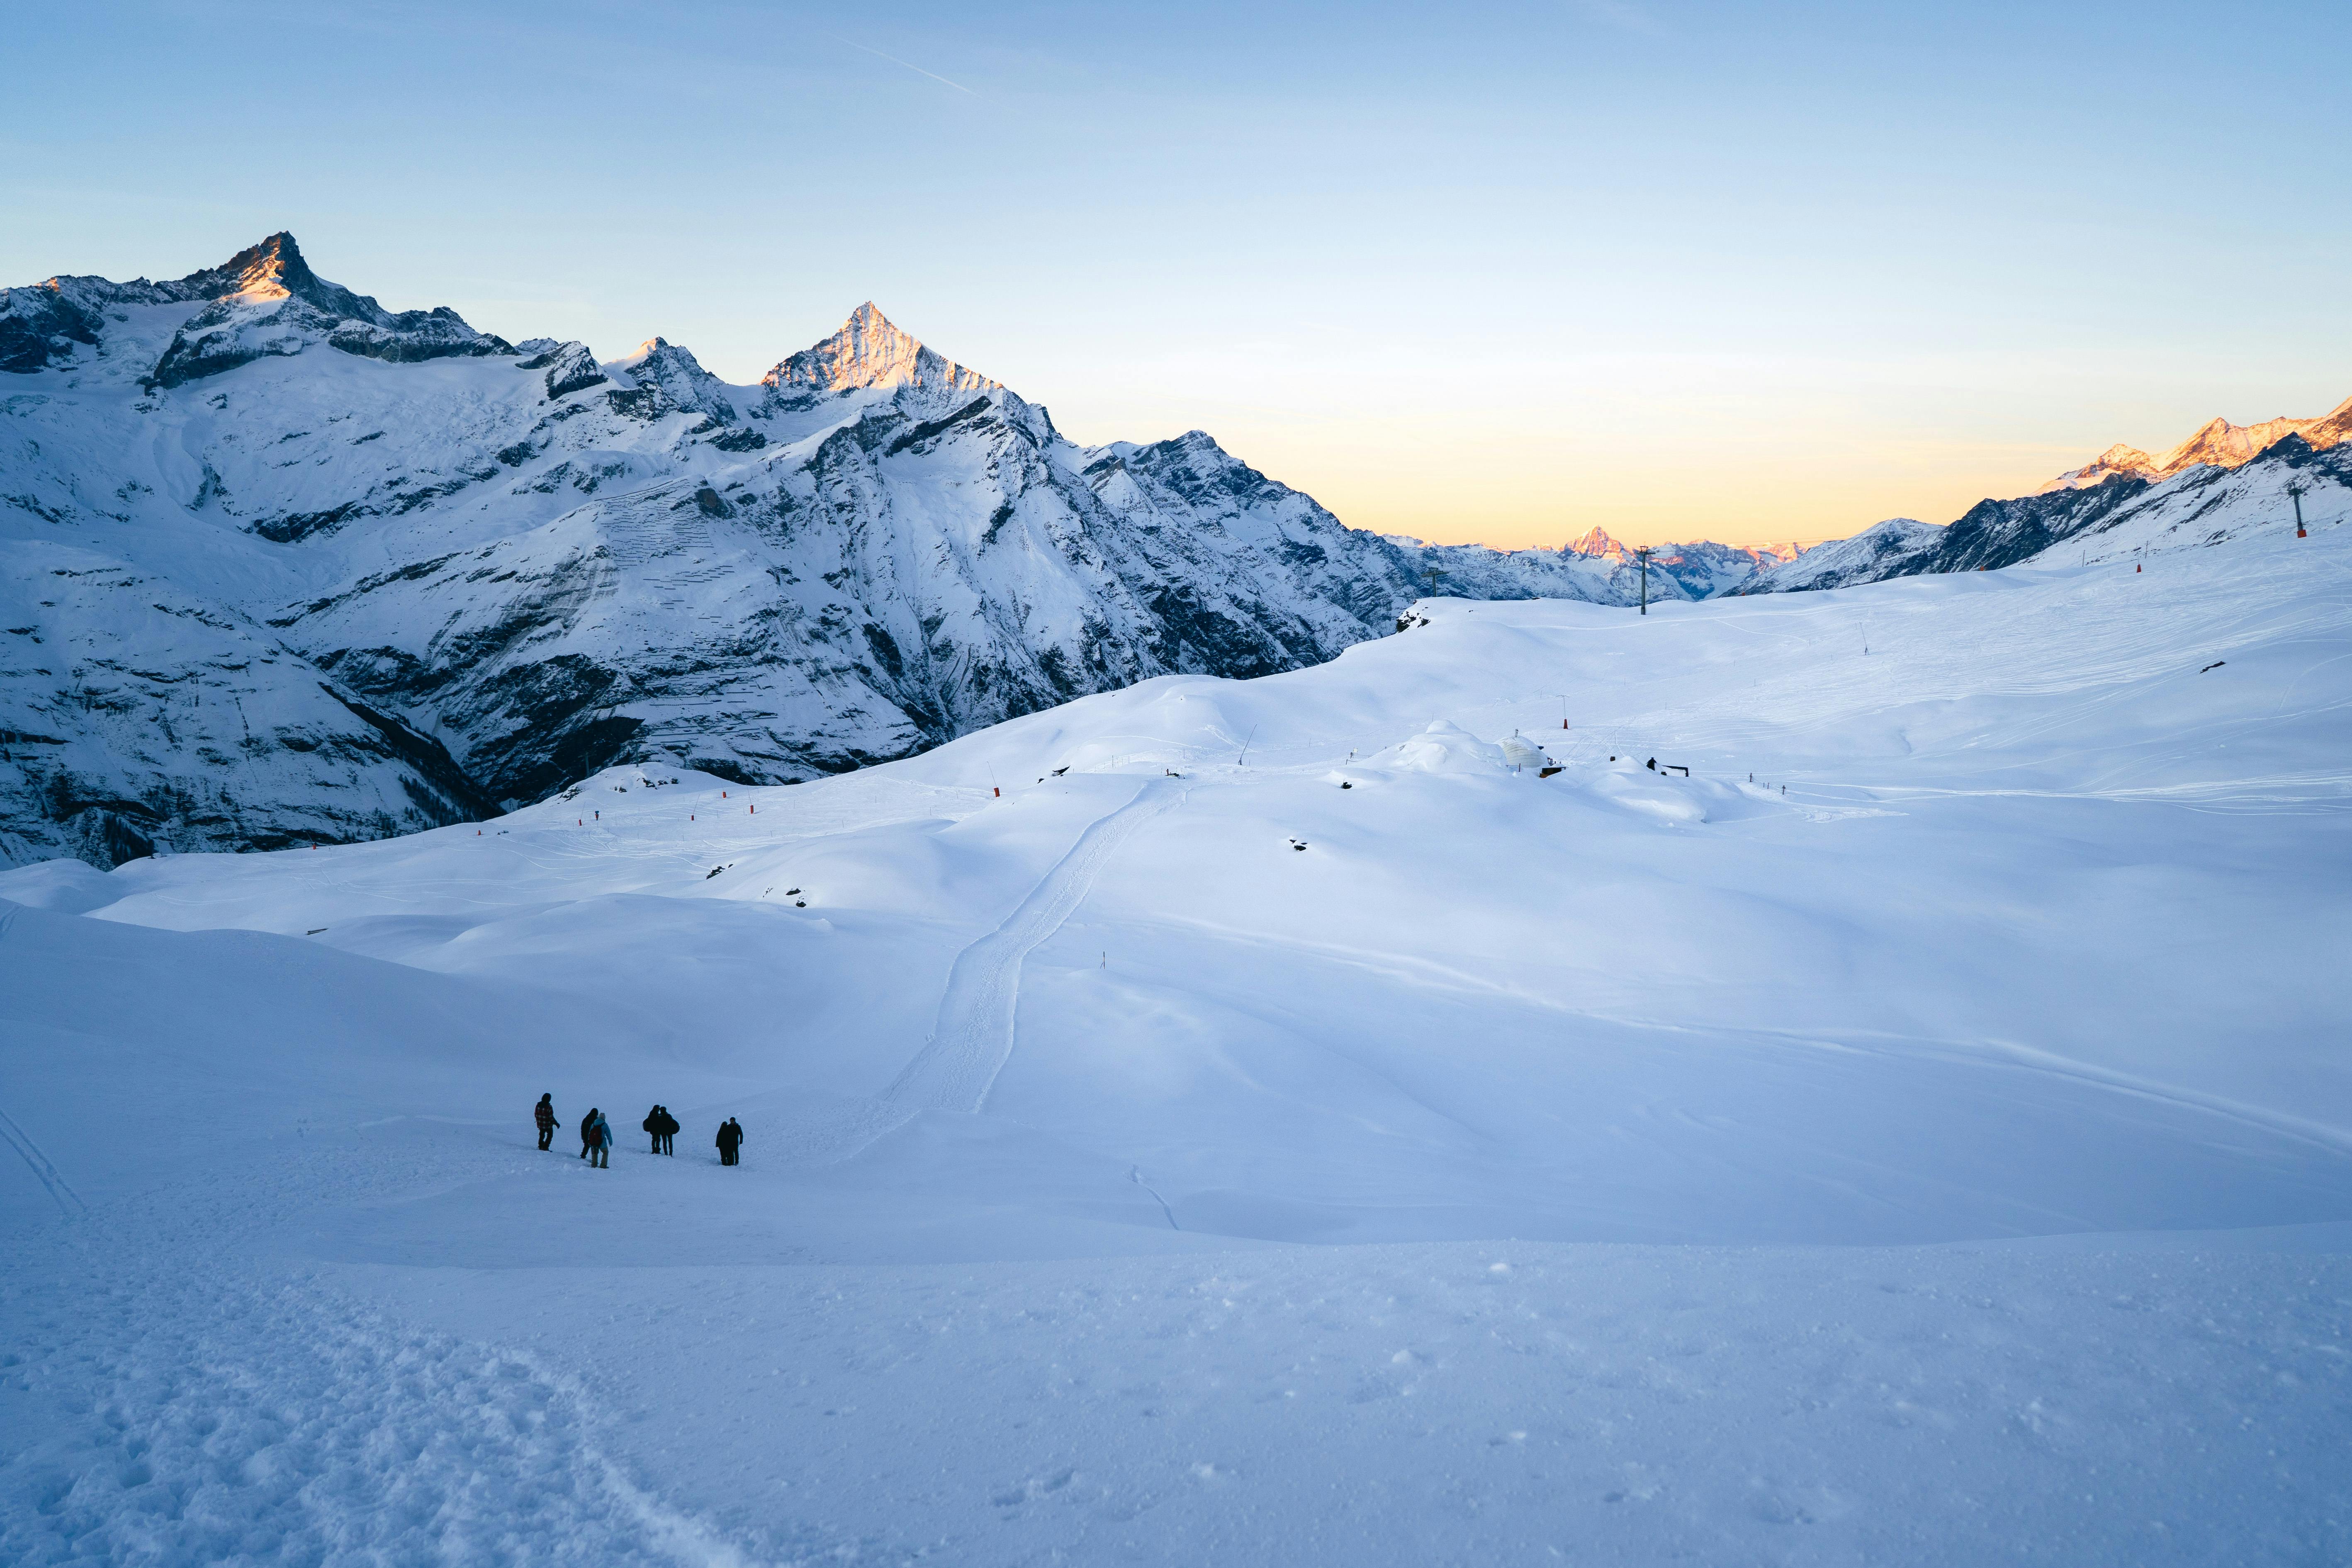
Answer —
2203 503
1860 559
2217 444
283 565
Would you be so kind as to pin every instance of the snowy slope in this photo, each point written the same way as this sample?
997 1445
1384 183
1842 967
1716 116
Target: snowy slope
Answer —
541 564
1936 1148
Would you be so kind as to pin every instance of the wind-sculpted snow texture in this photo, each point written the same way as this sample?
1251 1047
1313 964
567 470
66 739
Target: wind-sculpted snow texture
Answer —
1920 1135
460 571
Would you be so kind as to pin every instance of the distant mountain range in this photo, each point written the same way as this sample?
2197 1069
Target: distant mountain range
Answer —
2217 444
283 565
2224 478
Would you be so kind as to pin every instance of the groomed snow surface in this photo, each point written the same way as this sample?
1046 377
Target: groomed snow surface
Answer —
1946 1160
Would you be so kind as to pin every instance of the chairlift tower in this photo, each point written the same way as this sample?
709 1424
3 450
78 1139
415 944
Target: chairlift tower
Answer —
1642 551
2295 489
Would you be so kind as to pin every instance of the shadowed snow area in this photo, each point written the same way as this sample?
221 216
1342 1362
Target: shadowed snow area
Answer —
1275 1128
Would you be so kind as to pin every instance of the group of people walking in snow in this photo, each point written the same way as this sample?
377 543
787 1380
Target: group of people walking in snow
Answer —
596 1134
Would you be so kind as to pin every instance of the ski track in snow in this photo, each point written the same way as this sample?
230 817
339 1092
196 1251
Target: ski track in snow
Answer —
43 1171
973 1038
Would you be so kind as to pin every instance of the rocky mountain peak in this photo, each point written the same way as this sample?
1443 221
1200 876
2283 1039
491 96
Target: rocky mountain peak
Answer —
270 270
2217 444
659 363
265 302
1596 543
870 350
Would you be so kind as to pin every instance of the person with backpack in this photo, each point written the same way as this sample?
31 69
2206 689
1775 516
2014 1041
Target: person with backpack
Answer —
730 1139
587 1131
667 1129
652 1124
543 1113
600 1139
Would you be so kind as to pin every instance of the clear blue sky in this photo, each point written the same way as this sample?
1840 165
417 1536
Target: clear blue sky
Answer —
1500 271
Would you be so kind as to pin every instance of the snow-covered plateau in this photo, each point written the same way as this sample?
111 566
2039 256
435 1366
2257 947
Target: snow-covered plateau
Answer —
278 565
1257 1122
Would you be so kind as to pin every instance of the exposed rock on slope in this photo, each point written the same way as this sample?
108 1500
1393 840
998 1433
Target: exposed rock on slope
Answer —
131 712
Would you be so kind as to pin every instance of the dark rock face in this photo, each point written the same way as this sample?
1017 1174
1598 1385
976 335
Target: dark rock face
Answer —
681 383
145 718
1995 533
40 326
569 368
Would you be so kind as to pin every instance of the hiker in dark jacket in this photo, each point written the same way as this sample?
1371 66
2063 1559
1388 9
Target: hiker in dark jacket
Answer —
544 1114
668 1128
652 1124
587 1131
730 1139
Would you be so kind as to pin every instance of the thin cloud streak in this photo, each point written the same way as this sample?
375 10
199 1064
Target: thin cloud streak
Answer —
1617 14
895 60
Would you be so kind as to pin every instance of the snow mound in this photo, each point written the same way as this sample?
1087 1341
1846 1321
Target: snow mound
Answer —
1443 748
68 887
